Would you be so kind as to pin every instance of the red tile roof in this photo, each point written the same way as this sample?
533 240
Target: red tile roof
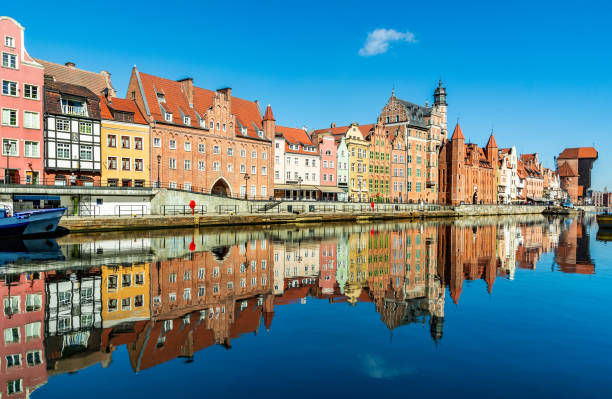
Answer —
120 104
175 101
294 135
95 82
341 130
457 133
580 152
528 157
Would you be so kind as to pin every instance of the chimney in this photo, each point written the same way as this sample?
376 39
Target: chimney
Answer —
333 125
227 91
70 64
109 85
187 88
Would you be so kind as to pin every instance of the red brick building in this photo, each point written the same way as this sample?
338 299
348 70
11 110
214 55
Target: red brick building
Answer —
574 166
205 141
467 173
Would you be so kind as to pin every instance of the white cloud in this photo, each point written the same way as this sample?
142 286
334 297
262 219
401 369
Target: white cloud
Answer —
378 41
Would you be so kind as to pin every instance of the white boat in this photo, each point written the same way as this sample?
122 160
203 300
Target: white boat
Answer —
36 221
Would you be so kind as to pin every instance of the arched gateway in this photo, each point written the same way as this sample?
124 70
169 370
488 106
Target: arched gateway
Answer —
221 188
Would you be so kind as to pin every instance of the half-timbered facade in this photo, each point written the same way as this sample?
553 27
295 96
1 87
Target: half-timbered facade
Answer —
71 135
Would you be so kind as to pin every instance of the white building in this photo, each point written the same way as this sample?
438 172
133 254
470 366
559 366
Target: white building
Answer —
509 181
296 165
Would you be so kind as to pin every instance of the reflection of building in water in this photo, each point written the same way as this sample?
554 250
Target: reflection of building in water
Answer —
205 298
357 267
22 355
466 253
327 261
342 262
530 250
573 253
125 293
73 320
509 236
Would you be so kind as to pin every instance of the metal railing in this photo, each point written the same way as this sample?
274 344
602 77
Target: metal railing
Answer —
183 210
227 209
131 210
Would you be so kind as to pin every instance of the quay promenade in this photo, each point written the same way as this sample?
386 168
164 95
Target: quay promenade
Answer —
289 214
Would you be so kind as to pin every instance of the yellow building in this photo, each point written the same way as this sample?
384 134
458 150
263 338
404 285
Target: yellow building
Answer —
125 294
358 265
125 144
358 149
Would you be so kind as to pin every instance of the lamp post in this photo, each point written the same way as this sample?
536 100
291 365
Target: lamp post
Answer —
359 184
7 149
246 181
158 163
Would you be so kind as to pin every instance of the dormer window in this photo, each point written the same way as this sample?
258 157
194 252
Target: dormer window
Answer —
260 133
161 97
74 107
243 131
187 120
202 123
168 116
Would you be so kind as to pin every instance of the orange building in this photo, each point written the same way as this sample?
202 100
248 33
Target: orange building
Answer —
467 173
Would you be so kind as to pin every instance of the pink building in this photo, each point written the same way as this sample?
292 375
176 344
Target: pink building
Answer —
329 177
22 108
23 367
327 266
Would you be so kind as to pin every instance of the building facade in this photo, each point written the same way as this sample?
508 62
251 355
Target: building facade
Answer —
508 179
468 173
21 134
72 135
298 165
425 129
329 164
379 164
575 176
125 144
205 141
358 150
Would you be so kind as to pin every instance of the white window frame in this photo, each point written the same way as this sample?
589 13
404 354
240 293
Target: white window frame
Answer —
9 41
157 142
14 85
25 85
9 117
25 146
8 65
172 144
29 116
15 146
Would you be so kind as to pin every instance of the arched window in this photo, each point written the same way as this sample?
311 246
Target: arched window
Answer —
212 124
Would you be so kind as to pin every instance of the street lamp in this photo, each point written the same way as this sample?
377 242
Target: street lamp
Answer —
246 181
359 184
158 163
7 149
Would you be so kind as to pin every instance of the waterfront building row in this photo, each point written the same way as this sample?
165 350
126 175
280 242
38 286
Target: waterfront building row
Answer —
63 125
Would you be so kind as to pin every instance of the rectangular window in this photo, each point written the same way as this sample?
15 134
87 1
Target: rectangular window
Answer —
230 152
86 153
30 92
201 148
254 154
9 117
86 127
111 163
34 358
172 144
126 303
216 166
187 164
11 335
201 165
111 140
172 164
111 282
253 170
125 163
216 150
9 88
168 117
9 41
188 146
9 60
62 125
32 330
31 149
139 165
138 143
139 301
156 142
13 386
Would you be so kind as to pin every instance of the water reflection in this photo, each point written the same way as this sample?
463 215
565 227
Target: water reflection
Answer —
170 295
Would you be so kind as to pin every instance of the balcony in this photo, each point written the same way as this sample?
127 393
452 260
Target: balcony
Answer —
74 110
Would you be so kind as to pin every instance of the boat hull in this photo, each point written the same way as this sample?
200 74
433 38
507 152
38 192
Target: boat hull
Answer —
34 222
604 221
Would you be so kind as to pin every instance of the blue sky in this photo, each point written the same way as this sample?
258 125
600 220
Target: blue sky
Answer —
538 73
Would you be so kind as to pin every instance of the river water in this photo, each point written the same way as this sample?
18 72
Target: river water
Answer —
486 307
